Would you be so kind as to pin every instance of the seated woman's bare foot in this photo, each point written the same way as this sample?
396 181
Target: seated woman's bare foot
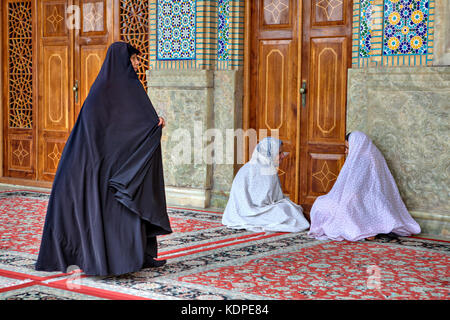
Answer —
371 238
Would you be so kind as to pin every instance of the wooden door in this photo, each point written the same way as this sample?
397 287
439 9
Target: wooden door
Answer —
326 56
18 93
55 70
296 45
50 48
92 40
273 70
74 38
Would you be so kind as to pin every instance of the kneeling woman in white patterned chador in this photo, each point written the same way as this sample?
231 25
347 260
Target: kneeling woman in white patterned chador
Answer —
364 201
256 200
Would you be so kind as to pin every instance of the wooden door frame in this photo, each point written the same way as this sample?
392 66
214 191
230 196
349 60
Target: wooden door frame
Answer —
339 31
111 14
4 97
301 112
246 125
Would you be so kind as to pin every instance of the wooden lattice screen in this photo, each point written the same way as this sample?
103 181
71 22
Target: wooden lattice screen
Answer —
134 28
20 64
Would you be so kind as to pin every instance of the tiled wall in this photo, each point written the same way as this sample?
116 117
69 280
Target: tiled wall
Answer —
209 34
393 33
196 34
176 30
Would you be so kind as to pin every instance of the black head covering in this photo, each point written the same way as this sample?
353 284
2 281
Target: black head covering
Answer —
109 182
132 50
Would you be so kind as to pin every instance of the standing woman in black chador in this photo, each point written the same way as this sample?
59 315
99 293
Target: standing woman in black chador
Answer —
107 203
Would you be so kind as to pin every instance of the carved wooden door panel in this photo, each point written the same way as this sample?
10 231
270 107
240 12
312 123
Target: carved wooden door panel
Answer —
301 46
326 56
49 48
55 70
92 40
18 94
74 38
273 70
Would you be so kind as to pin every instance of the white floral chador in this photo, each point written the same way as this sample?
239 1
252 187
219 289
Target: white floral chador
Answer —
256 200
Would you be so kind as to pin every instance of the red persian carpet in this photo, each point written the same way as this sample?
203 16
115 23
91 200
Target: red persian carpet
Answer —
208 261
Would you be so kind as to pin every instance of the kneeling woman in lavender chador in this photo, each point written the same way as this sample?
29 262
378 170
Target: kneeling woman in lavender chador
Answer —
364 201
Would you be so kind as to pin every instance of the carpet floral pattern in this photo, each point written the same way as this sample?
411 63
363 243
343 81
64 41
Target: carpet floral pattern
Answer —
208 261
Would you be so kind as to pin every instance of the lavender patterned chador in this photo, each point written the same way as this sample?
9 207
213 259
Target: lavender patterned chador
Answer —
364 201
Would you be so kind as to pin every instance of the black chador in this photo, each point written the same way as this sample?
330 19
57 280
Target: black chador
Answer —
107 203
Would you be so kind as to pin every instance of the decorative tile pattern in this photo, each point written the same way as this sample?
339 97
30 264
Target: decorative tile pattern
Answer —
176 29
405 27
223 30
365 28
236 34
393 33
218 32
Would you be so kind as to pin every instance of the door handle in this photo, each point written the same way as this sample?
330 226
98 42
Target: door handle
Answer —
75 90
303 93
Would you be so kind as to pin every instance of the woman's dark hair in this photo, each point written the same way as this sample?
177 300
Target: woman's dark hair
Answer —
347 136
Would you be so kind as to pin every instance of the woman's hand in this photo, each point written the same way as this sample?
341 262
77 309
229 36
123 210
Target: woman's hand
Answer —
162 122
